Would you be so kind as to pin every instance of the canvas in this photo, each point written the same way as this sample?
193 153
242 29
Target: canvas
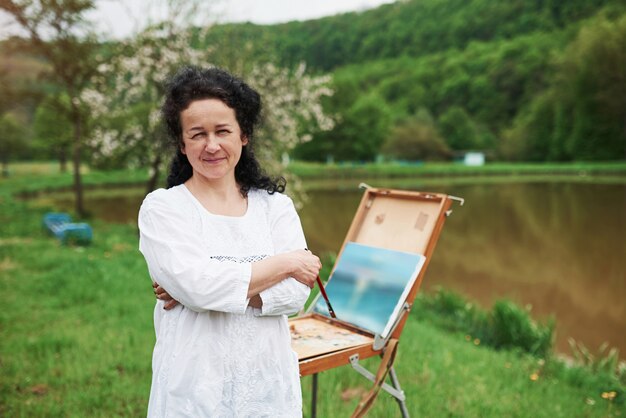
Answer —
369 285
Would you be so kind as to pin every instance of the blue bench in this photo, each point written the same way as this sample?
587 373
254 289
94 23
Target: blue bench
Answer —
61 226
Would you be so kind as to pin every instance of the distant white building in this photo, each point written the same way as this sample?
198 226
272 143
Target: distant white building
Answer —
474 158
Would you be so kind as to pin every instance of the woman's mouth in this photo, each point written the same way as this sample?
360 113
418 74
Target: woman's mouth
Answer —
213 160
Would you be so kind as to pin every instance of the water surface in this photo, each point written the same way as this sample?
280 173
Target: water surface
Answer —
558 247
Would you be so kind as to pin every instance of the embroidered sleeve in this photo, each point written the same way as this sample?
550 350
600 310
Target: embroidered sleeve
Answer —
288 296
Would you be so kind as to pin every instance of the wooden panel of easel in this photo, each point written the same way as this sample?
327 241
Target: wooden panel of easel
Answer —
316 335
396 220
393 219
400 220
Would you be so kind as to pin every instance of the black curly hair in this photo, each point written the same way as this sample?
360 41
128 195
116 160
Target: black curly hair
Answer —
192 83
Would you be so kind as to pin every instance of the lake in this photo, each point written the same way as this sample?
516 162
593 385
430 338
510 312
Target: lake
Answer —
558 246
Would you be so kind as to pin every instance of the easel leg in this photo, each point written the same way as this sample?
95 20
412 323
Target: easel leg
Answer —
387 361
314 396
396 384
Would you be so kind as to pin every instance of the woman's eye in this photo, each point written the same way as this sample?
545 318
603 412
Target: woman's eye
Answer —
223 132
198 136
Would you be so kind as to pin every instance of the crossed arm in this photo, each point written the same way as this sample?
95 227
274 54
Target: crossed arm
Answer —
302 265
184 274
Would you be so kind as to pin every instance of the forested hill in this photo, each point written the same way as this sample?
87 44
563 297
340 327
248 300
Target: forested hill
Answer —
408 28
528 80
428 79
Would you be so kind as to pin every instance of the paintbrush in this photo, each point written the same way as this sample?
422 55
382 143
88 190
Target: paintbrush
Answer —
330 308
331 311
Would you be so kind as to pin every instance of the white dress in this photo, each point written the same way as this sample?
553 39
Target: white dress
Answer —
214 356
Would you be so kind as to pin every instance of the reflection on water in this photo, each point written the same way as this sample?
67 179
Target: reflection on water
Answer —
111 205
559 247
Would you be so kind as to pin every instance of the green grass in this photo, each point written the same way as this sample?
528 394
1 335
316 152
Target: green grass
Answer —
76 339
395 170
72 343
444 375
35 177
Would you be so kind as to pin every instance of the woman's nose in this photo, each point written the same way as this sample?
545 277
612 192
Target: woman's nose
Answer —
212 144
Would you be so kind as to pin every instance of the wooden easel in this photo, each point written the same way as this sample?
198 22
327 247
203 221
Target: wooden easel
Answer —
393 219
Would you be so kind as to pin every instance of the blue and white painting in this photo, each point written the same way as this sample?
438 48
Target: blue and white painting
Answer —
369 286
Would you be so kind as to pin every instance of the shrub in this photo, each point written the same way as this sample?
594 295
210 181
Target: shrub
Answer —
506 326
512 327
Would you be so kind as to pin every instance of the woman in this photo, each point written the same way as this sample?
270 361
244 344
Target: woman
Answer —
225 244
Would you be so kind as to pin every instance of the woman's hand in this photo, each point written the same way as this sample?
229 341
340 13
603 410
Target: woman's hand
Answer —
161 294
305 266
256 302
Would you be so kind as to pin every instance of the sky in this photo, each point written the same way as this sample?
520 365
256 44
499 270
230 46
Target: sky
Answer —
114 17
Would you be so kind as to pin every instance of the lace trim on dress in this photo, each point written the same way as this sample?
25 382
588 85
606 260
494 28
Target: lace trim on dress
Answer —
248 259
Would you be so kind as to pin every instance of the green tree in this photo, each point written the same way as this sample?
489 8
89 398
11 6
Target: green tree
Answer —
416 138
458 129
558 139
531 136
57 30
12 140
53 130
361 131
8 93
582 115
592 80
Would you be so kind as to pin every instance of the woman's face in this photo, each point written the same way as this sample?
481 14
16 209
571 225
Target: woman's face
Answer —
212 139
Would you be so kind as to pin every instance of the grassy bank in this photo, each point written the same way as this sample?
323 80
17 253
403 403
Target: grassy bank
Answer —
36 177
399 170
32 178
76 338
46 175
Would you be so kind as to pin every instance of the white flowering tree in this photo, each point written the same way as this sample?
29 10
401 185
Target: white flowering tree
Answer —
292 111
126 97
126 101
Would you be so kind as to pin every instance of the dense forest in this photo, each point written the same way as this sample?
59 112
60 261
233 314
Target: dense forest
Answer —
428 79
408 28
525 80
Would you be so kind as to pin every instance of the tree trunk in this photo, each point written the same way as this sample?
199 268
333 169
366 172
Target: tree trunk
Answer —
76 159
5 166
63 159
155 169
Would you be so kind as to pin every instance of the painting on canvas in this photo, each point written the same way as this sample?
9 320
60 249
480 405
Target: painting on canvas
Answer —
369 285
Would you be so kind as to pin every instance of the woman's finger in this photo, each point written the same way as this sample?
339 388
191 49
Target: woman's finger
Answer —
170 304
307 279
163 295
